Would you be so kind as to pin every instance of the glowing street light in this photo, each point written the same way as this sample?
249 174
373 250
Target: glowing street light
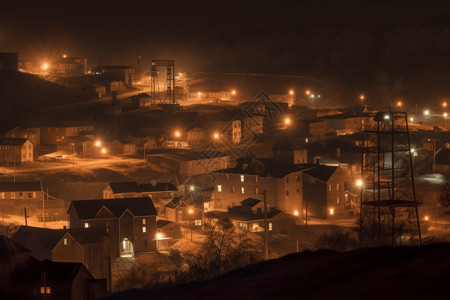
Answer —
426 218
387 117
444 104
308 92
399 103
98 143
45 66
362 97
426 112
216 135
159 236
331 211
445 115
104 151
291 92
411 119
287 121
177 133
296 213
64 56
359 183
233 92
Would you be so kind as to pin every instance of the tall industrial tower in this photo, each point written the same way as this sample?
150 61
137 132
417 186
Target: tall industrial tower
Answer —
157 96
388 214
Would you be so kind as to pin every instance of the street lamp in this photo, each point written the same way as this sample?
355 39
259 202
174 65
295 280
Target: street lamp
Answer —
362 97
399 104
98 143
287 121
104 151
426 112
444 104
291 92
233 92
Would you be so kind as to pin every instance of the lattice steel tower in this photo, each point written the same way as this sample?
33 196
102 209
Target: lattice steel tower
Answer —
388 211
157 96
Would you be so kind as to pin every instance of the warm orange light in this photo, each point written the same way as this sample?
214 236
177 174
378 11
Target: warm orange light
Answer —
444 104
308 92
233 92
287 121
98 143
399 103
45 67
445 115
331 211
291 92
296 213
216 136
361 97
64 55
359 182
159 236
191 211
104 151
426 218
199 94
177 133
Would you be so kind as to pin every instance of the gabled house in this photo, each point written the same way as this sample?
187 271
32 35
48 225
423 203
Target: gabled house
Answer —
16 151
24 277
156 190
122 147
184 210
131 222
325 191
121 190
89 246
15 196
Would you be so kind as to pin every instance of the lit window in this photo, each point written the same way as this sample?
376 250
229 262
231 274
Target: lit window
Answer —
13 195
337 199
86 225
270 226
144 221
242 178
243 225
46 290
337 187
219 188
329 187
65 241
331 211
242 190
198 222
144 229
256 191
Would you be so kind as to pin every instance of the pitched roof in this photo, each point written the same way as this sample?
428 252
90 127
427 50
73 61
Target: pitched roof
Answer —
124 187
9 247
321 172
175 202
88 235
20 186
88 209
159 187
238 215
12 141
162 223
54 271
250 202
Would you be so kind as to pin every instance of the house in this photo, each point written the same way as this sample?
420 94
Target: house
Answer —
16 151
155 190
131 222
185 210
117 73
282 183
51 134
141 100
33 134
67 66
122 147
191 162
121 190
15 196
80 145
195 136
167 233
24 277
325 193
245 219
89 246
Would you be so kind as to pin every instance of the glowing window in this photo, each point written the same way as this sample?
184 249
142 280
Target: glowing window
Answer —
144 221
242 190
242 178
86 225
144 229
65 241
270 226
198 222
219 188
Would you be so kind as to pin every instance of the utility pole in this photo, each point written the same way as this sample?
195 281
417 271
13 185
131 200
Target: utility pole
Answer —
25 214
266 229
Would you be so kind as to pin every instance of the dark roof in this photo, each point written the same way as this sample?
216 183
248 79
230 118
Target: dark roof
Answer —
12 141
174 203
162 223
321 172
265 167
20 186
250 202
239 215
9 247
88 209
54 271
41 241
124 187
159 187
443 157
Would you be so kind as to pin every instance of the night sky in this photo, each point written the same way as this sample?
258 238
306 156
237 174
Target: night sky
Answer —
184 30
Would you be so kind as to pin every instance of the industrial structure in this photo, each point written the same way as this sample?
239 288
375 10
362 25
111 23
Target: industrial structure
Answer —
388 212
159 97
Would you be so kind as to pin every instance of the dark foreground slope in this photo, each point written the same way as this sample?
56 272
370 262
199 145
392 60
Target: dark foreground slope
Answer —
380 273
